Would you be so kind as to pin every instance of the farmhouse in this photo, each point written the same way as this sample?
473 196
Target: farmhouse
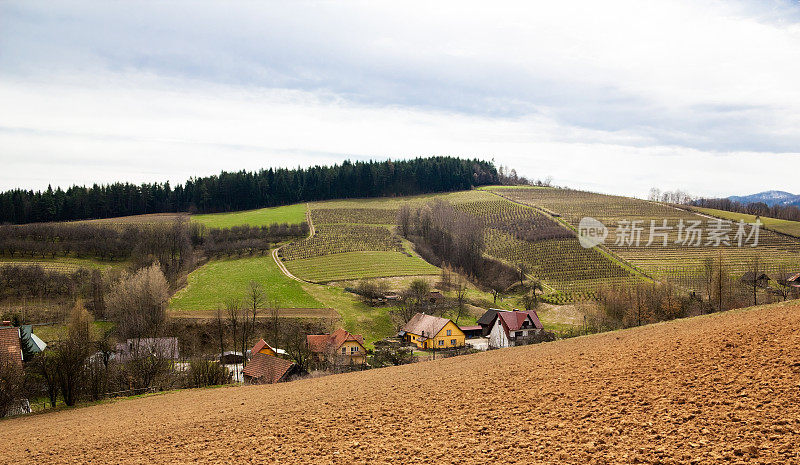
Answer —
513 328
791 280
10 350
268 369
262 347
486 321
29 342
759 279
432 332
339 347
471 332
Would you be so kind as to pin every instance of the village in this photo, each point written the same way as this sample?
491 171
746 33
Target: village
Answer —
424 337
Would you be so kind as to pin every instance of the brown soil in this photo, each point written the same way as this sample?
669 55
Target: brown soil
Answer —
714 389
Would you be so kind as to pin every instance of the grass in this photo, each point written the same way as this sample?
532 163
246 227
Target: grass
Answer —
292 214
374 323
211 285
51 333
357 265
791 228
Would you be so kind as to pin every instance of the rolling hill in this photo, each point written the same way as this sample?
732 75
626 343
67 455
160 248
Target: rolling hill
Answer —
711 389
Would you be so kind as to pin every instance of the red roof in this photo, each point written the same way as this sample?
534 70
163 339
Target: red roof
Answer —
267 369
513 320
470 328
10 350
535 317
321 343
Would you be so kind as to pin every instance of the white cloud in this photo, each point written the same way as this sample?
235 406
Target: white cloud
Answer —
613 96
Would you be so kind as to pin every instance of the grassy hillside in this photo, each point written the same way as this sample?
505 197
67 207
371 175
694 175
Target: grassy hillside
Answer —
292 214
632 396
791 228
213 284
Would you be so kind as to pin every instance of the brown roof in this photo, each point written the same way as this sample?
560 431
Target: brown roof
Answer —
427 325
320 343
10 350
267 369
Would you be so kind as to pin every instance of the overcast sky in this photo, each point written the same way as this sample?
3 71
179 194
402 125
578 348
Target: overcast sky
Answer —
611 96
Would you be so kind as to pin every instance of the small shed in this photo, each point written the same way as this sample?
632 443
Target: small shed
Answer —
471 332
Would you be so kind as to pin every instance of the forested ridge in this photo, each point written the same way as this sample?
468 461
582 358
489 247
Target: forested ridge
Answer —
243 190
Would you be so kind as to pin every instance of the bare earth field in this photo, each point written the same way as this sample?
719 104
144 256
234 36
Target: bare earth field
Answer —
715 389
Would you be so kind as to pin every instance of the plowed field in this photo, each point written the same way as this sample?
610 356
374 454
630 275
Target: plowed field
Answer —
715 389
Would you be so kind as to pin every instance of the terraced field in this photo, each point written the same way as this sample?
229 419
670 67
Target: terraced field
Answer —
518 233
333 239
357 265
631 396
681 258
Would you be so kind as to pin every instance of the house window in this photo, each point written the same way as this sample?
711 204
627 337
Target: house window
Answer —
354 349
344 350
441 342
518 334
452 342
449 332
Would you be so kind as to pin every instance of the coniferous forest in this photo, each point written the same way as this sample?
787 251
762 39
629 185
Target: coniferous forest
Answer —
245 190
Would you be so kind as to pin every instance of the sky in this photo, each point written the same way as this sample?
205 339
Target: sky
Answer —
612 96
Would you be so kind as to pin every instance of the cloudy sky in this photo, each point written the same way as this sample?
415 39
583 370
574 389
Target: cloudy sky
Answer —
612 96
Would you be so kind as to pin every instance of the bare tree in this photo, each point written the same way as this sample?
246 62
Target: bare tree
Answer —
754 267
255 298
70 362
522 271
461 297
275 316
138 303
233 308
12 386
219 326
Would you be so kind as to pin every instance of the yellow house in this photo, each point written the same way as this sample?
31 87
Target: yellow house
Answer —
432 332
339 347
262 347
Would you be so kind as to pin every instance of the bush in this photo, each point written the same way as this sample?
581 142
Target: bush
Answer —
204 372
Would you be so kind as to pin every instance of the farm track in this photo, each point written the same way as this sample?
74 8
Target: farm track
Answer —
274 253
722 388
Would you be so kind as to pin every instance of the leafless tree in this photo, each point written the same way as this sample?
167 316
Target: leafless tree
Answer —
461 297
70 362
138 303
233 308
255 298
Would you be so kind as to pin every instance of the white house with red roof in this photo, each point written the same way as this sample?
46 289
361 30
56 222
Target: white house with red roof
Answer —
511 328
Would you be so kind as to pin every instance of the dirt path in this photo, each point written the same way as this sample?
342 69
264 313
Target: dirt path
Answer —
723 388
274 253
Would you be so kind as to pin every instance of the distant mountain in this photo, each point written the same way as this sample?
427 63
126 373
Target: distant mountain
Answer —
770 198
